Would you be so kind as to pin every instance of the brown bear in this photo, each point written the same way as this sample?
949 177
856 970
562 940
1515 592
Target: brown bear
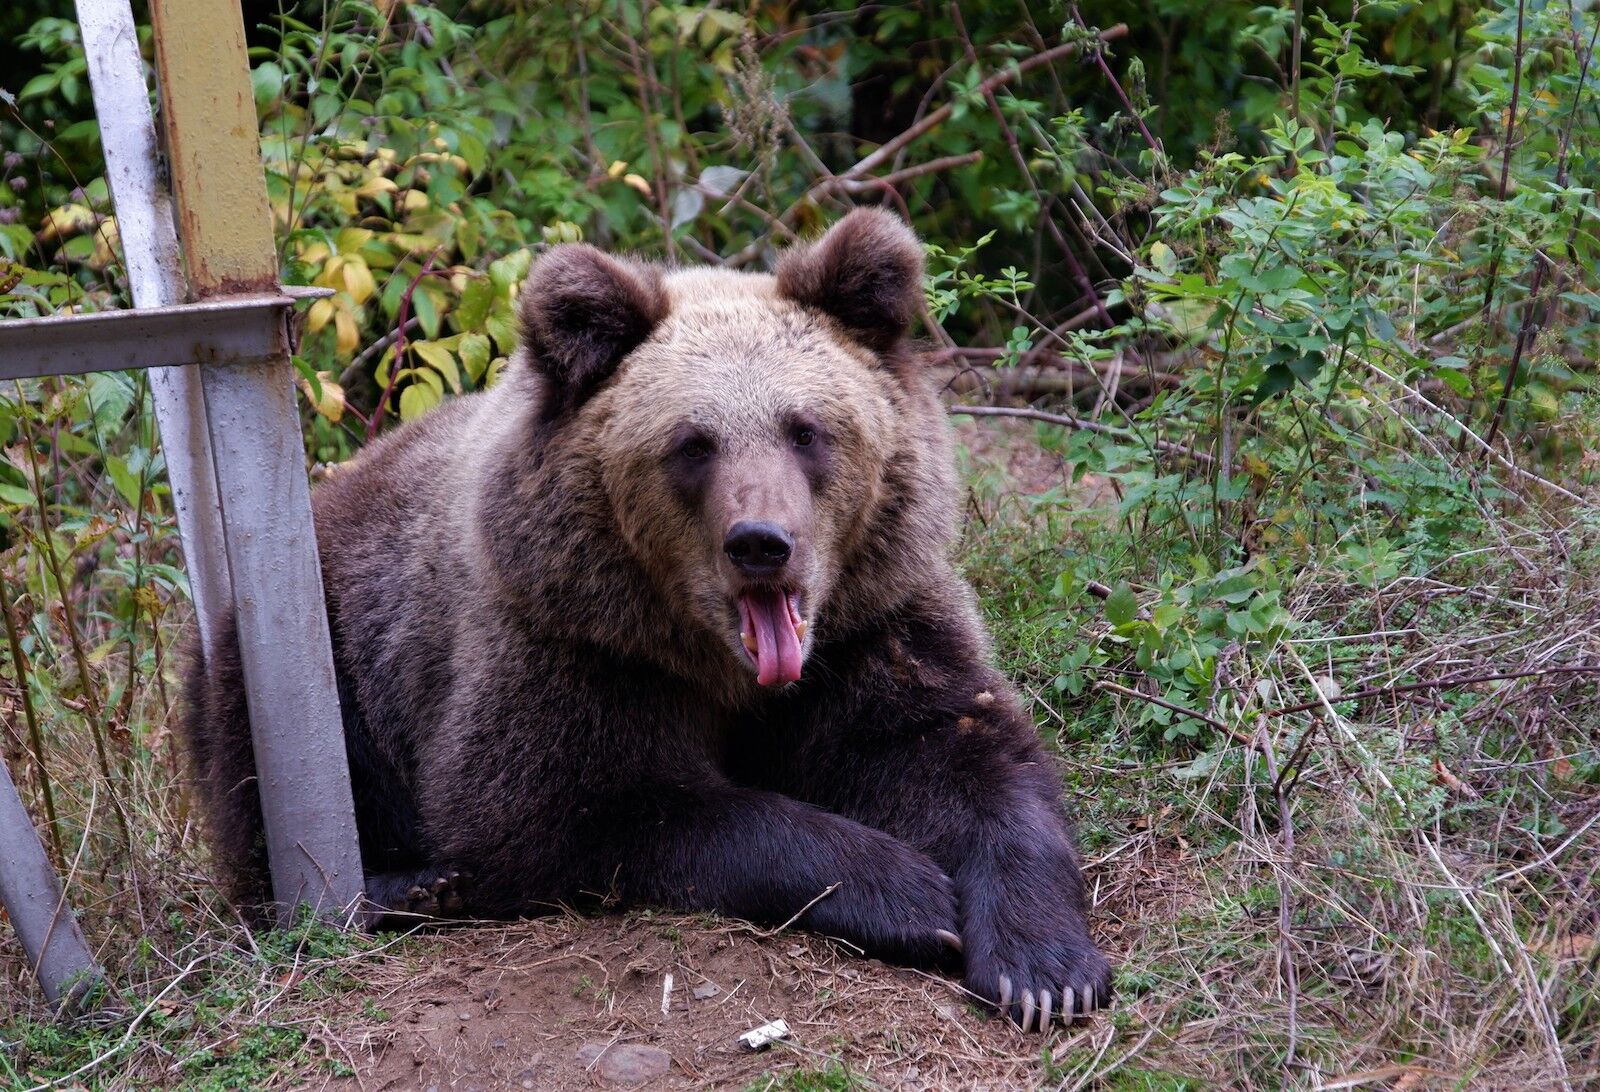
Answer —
668 616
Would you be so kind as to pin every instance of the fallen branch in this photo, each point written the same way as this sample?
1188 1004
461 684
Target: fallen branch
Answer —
868 185
1437 684
1068 421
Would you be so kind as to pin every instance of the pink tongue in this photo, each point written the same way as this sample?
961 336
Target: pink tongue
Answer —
777 644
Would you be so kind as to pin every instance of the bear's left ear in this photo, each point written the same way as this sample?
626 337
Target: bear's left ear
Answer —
582 312
865 273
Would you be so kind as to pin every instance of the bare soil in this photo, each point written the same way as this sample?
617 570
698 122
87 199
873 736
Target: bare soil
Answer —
569 1002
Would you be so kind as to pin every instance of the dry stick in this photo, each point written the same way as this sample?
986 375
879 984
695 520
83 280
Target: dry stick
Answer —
866 185
371 352
800 913
19 665
1437 684
1231 732
938 117
1467 433
1074 266
893 146
1286 965
1067 421
91 700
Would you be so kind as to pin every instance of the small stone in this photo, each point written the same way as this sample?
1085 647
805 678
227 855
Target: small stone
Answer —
464 1014
499 1044
705 991
626 1063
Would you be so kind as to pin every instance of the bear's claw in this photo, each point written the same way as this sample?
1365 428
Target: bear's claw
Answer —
400 900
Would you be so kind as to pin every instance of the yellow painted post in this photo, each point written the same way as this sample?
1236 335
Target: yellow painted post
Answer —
214 151
225 227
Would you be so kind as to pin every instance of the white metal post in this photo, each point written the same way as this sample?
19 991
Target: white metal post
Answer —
155 279
32 897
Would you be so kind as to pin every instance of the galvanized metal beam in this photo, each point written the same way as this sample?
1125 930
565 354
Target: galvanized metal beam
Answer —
32 897
155 279
225 227
226 330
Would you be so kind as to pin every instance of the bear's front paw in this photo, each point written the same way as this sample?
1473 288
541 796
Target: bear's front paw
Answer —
1037 981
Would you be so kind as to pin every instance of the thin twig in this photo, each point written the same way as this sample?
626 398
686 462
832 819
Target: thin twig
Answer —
19 666
800 913
1212 722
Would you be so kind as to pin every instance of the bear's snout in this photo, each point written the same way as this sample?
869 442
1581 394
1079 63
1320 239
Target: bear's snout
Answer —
758 548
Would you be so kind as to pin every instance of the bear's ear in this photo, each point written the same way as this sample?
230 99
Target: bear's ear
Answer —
582 312
866 273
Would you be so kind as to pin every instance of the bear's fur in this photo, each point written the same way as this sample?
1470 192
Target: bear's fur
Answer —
537 621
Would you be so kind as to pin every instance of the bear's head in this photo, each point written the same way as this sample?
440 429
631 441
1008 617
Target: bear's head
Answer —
772 457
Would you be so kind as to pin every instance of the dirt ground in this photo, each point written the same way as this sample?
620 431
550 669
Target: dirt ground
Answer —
574 1003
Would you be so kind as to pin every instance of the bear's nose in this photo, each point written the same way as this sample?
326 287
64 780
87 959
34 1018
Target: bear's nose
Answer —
757 548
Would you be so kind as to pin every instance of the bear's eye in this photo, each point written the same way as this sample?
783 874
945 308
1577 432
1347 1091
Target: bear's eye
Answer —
804 437
695 448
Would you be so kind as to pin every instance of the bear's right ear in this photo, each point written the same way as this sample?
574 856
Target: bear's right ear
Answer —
865 273
582 312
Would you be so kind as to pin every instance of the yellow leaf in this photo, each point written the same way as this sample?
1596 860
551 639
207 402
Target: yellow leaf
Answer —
358 280
441 360
638 183
352 239
68 220
331 404
376 185
346 334
319 316
107 240
618 166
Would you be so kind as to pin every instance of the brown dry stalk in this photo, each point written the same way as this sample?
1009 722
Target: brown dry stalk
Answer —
19 666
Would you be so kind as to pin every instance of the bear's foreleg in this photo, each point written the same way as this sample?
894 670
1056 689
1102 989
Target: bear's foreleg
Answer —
600 786
933 749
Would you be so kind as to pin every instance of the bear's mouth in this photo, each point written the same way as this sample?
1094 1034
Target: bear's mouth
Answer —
772 633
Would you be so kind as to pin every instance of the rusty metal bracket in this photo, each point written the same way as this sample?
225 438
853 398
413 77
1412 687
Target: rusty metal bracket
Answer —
227 330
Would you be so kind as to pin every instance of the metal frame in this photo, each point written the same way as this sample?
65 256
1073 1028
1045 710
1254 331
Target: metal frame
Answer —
228 330
231 435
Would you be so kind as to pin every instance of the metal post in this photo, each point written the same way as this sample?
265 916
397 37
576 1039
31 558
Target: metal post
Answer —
155 279
225 226
32 897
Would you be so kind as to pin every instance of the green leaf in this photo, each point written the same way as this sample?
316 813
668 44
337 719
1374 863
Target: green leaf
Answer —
476 299
1165 261
417 399
1121 606
427 312
475 352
